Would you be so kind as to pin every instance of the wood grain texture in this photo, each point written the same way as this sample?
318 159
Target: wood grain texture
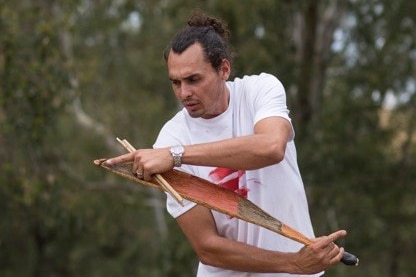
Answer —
203 192
217 198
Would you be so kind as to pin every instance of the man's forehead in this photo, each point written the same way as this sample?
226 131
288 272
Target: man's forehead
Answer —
189 63
193 53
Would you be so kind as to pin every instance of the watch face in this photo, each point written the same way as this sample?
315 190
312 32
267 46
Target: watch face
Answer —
177 149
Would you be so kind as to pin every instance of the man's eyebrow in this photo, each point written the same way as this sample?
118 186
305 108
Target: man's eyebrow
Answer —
185 78
192 76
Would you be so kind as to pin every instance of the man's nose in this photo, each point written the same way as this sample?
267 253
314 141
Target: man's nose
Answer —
185 91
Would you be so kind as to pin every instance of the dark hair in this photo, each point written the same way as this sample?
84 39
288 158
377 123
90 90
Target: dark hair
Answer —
211 33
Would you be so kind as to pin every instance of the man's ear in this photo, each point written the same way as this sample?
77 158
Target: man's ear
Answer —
225 69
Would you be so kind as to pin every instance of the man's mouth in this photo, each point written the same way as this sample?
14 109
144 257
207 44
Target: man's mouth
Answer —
190 105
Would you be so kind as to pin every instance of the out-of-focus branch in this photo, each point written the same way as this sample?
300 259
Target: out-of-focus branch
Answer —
86 121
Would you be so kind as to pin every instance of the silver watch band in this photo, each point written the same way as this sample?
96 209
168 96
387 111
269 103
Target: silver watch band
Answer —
177 153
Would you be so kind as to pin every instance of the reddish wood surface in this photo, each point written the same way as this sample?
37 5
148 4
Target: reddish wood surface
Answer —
214 197
205 193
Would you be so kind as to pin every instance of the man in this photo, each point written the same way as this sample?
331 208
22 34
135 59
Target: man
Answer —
237 134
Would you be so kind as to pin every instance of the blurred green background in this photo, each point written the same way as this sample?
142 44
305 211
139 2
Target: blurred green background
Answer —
76 74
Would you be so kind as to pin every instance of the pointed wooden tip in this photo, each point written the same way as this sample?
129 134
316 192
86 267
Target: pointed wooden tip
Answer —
99 161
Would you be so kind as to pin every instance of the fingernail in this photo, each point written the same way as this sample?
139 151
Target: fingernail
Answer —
109 161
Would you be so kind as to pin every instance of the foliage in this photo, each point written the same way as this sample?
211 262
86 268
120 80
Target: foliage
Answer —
76 74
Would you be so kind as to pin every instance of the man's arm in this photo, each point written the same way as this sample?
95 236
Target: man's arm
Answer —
265 147
199 227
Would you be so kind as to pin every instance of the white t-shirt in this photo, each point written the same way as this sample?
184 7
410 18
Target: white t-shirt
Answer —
277 189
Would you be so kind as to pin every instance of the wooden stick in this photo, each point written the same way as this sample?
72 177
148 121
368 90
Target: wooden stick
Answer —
220 199
159 178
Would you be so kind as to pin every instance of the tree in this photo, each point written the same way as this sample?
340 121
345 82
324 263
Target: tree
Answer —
76 74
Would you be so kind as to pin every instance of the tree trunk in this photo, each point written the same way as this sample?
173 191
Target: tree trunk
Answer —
94 126
313 33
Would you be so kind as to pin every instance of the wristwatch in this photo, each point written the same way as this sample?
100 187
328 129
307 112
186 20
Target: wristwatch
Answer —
177 152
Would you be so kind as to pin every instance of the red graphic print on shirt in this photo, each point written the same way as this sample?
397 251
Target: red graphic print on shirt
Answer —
229 179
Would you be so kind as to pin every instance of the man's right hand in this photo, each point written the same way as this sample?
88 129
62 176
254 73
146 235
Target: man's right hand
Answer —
320 255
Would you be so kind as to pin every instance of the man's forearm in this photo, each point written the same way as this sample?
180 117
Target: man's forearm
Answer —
249 152
237 256
265 147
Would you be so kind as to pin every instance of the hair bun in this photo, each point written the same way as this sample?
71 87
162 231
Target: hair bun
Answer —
199 19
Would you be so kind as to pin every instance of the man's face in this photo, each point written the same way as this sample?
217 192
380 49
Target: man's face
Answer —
200 88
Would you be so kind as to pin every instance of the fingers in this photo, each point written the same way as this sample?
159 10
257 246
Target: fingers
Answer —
129 157
334 252
337 235
137 169
339 255
325 247
140 173
140 162
146 162
331 238
321 254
